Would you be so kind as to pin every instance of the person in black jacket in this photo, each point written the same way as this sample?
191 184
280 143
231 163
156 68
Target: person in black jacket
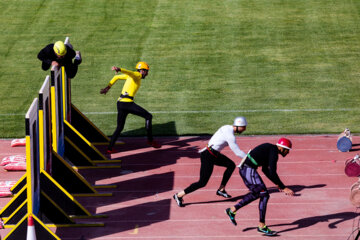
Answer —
60 54
265 155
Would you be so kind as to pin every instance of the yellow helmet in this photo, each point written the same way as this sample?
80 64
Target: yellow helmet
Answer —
60 48
142 65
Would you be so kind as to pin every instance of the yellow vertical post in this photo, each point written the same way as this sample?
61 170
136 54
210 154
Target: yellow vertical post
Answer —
53 117
28 173
41 140
63 82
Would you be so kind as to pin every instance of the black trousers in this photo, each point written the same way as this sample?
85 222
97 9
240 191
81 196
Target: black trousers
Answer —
124 108
208 160
257 188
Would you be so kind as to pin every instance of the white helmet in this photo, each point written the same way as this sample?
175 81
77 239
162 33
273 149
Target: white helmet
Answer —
240 122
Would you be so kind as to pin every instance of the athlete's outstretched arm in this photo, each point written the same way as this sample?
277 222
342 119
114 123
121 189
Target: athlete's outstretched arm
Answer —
112 82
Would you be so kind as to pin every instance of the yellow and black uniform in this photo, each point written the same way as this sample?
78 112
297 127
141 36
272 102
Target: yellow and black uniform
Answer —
126 104
131 86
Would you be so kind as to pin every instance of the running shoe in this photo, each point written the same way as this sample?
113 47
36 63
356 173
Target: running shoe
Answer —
179 200
265 230
110 151
231 215
154 144
223 194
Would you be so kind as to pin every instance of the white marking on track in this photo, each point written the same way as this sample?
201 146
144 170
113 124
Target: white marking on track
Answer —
218 111
238 111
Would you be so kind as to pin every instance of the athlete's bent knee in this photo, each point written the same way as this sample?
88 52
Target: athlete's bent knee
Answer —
149 117
232 166
264 194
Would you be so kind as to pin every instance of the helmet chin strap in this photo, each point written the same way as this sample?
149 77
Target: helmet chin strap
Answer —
282 151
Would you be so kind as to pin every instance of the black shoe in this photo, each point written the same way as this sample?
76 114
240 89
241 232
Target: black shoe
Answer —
223 194
265 230
179 200
231 215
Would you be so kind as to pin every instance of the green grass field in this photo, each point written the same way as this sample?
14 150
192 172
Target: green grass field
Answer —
288 66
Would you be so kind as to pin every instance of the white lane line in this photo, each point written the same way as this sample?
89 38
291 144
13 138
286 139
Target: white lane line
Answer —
242 236
238 111
220 111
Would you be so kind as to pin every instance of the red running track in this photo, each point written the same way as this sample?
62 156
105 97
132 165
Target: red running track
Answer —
142 206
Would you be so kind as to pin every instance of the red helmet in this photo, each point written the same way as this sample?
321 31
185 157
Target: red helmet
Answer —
285 143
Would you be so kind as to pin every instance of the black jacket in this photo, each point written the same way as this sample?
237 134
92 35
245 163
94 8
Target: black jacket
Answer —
266 155
47 55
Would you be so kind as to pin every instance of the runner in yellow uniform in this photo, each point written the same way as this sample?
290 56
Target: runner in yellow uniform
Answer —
126 104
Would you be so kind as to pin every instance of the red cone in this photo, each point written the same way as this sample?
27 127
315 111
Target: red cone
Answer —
31 229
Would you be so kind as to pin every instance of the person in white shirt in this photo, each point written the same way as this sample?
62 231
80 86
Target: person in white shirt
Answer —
211 156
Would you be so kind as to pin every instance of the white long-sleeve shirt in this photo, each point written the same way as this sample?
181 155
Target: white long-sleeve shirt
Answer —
225 136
